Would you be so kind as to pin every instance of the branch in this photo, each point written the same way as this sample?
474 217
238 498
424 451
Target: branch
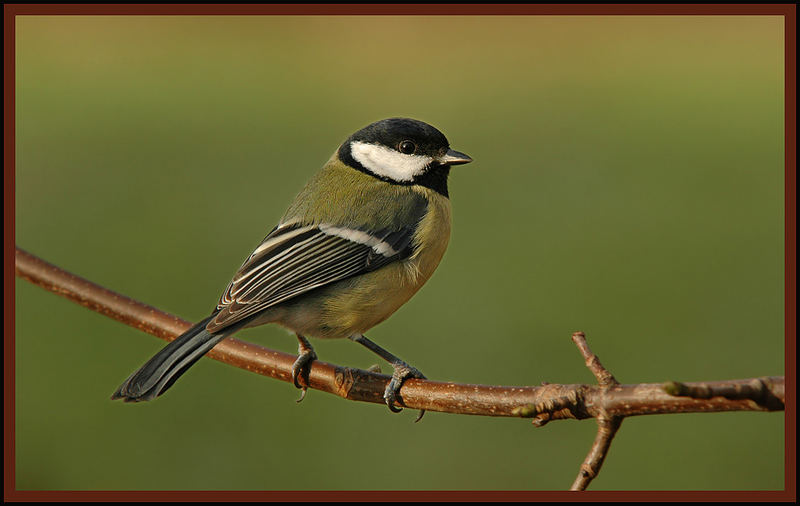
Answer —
608 401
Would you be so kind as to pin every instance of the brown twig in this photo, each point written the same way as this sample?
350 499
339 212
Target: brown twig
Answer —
609 401
603 375
607 425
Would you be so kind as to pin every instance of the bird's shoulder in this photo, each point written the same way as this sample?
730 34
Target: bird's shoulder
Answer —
342 196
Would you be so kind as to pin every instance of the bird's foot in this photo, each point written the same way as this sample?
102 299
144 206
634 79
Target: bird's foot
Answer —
402 372
391 395
302 366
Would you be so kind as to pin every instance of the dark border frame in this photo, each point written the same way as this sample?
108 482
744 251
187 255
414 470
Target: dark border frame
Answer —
789 13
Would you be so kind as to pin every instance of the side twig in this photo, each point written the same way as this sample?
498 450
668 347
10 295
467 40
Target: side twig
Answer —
608 401
607 425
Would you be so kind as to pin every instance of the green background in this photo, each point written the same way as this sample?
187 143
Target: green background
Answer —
628 182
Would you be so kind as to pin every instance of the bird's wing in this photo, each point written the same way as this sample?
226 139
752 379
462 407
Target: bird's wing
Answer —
294 259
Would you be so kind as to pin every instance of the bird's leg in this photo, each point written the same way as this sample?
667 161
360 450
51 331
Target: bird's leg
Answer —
402 371
302 366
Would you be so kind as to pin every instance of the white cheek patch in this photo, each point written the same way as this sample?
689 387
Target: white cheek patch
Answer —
386 162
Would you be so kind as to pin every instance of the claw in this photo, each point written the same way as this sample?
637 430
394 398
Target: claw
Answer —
391 395
402 372
302 366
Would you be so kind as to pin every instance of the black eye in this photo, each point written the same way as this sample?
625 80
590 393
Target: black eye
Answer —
407 147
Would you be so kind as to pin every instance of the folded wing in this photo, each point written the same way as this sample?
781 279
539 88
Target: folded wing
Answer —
295 259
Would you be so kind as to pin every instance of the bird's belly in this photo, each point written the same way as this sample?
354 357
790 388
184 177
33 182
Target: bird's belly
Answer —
355 305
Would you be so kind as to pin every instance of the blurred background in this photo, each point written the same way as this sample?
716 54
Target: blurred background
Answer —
628 182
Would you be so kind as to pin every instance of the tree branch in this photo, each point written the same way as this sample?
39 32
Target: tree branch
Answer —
608 401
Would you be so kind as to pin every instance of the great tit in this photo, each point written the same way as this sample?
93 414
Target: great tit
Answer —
363 235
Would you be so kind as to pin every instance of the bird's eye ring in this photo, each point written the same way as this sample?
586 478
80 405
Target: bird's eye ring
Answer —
407 147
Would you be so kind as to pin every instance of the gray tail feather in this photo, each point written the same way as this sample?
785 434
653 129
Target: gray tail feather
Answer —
166 366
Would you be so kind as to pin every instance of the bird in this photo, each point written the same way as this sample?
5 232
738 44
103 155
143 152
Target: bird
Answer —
357 242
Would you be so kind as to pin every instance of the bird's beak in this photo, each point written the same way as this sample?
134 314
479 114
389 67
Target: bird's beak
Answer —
455 158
